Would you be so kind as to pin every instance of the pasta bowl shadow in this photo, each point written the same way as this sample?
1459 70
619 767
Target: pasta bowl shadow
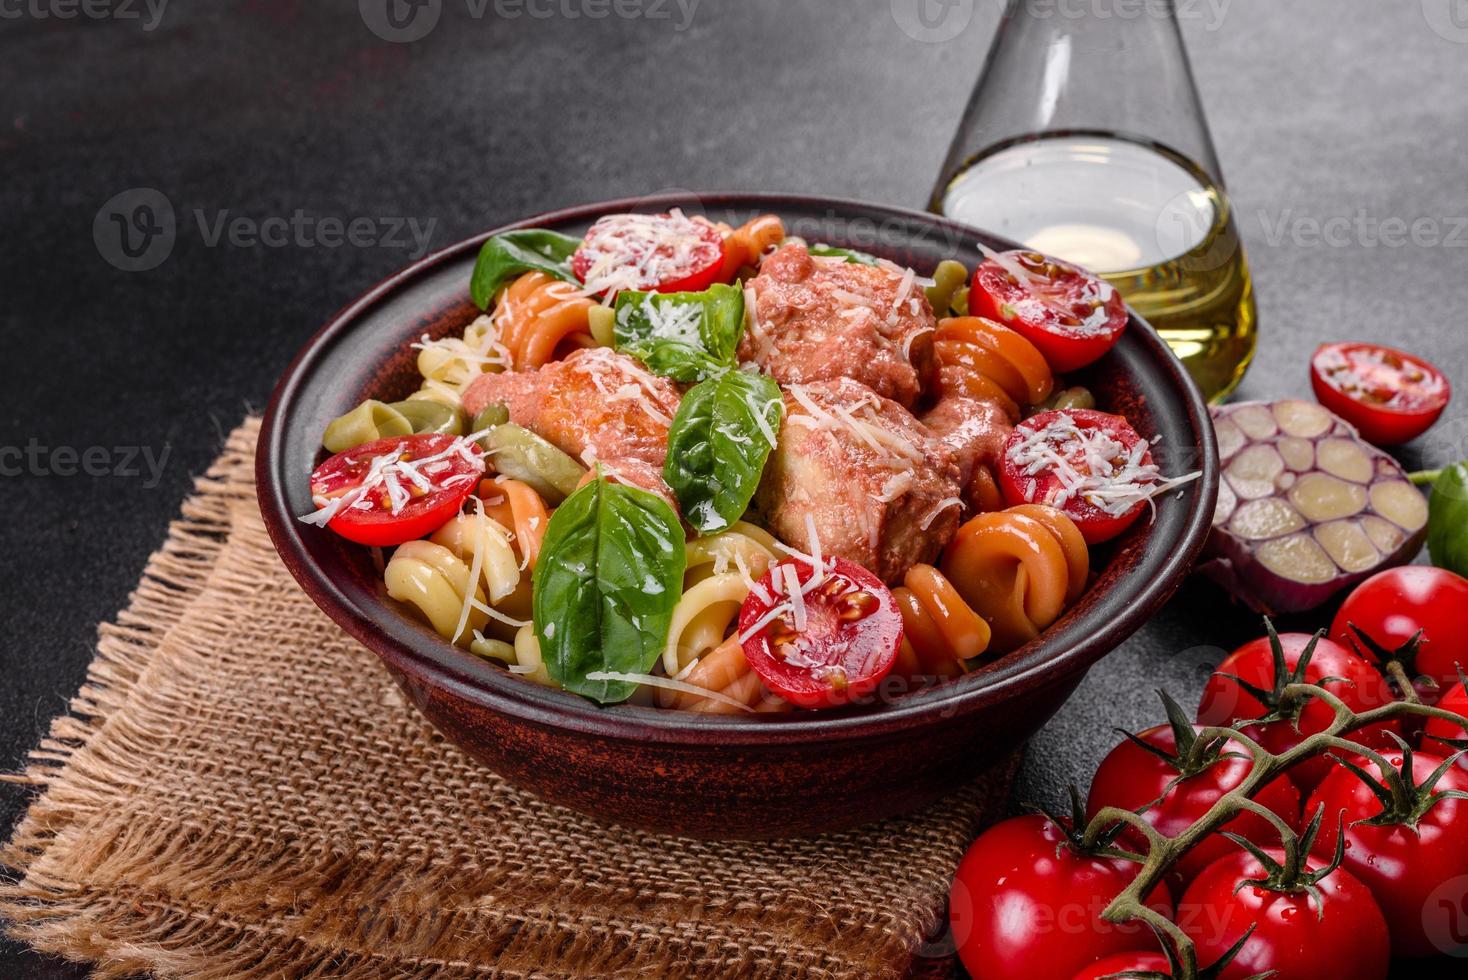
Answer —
751 776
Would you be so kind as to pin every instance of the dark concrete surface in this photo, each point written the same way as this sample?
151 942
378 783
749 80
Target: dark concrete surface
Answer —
261 108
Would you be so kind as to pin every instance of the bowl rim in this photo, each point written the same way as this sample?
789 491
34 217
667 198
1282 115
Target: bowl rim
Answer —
496 690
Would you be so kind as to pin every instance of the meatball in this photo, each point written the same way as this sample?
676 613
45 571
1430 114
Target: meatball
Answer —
876 487
817 319
597 405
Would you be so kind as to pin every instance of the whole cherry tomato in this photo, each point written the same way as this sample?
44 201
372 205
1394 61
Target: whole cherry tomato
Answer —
1391 396
1267 666
1127 963
1153 770
1072 316
1026 903
1410 849
1303 929
1456 701
1393 606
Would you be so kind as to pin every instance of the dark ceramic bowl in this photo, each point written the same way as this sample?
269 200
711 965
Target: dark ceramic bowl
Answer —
713 776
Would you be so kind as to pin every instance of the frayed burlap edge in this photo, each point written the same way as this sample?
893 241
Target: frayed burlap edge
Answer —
139 923
39 911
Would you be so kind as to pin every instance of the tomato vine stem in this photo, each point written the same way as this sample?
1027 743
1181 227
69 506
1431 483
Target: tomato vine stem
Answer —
1163 852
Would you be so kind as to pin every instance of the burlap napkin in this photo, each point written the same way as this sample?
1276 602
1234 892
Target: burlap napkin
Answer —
239 790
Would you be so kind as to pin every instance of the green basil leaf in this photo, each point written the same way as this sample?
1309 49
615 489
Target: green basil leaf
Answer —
1447 525
684 336
609 574
506 256
717 448
849 254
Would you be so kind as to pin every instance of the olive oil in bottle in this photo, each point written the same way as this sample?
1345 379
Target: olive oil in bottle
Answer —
1146 219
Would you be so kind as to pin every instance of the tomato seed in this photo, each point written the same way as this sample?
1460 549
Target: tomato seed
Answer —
856 605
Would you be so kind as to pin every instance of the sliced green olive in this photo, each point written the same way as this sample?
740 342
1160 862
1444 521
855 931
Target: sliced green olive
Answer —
601 320
1069 398
431 416
490 416
959 303
948 279
368 422
522 455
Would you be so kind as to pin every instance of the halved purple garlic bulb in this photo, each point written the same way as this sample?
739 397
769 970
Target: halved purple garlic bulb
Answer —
1306 507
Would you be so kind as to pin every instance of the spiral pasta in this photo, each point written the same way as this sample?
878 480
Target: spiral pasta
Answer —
477 538
435 581
535 314
743 547
985 497
941 632
513 504
727 673
449 365
721 570
746 245
1018 569
471 551
980 359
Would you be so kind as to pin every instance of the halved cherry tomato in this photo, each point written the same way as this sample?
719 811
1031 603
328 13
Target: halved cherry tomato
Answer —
397 490
1071 315
1393 606
669 253
846 645
1110 469
1390 395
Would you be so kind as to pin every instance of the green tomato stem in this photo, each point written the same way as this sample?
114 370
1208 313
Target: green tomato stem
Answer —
1425 478
1163 852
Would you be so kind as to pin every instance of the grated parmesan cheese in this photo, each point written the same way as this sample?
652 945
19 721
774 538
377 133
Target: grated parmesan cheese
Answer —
1090 465
667 684
638 251
939 508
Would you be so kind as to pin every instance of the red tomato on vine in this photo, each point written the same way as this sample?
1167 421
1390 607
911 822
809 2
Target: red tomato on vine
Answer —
1178 780
1028 897
1406 838
1249 689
